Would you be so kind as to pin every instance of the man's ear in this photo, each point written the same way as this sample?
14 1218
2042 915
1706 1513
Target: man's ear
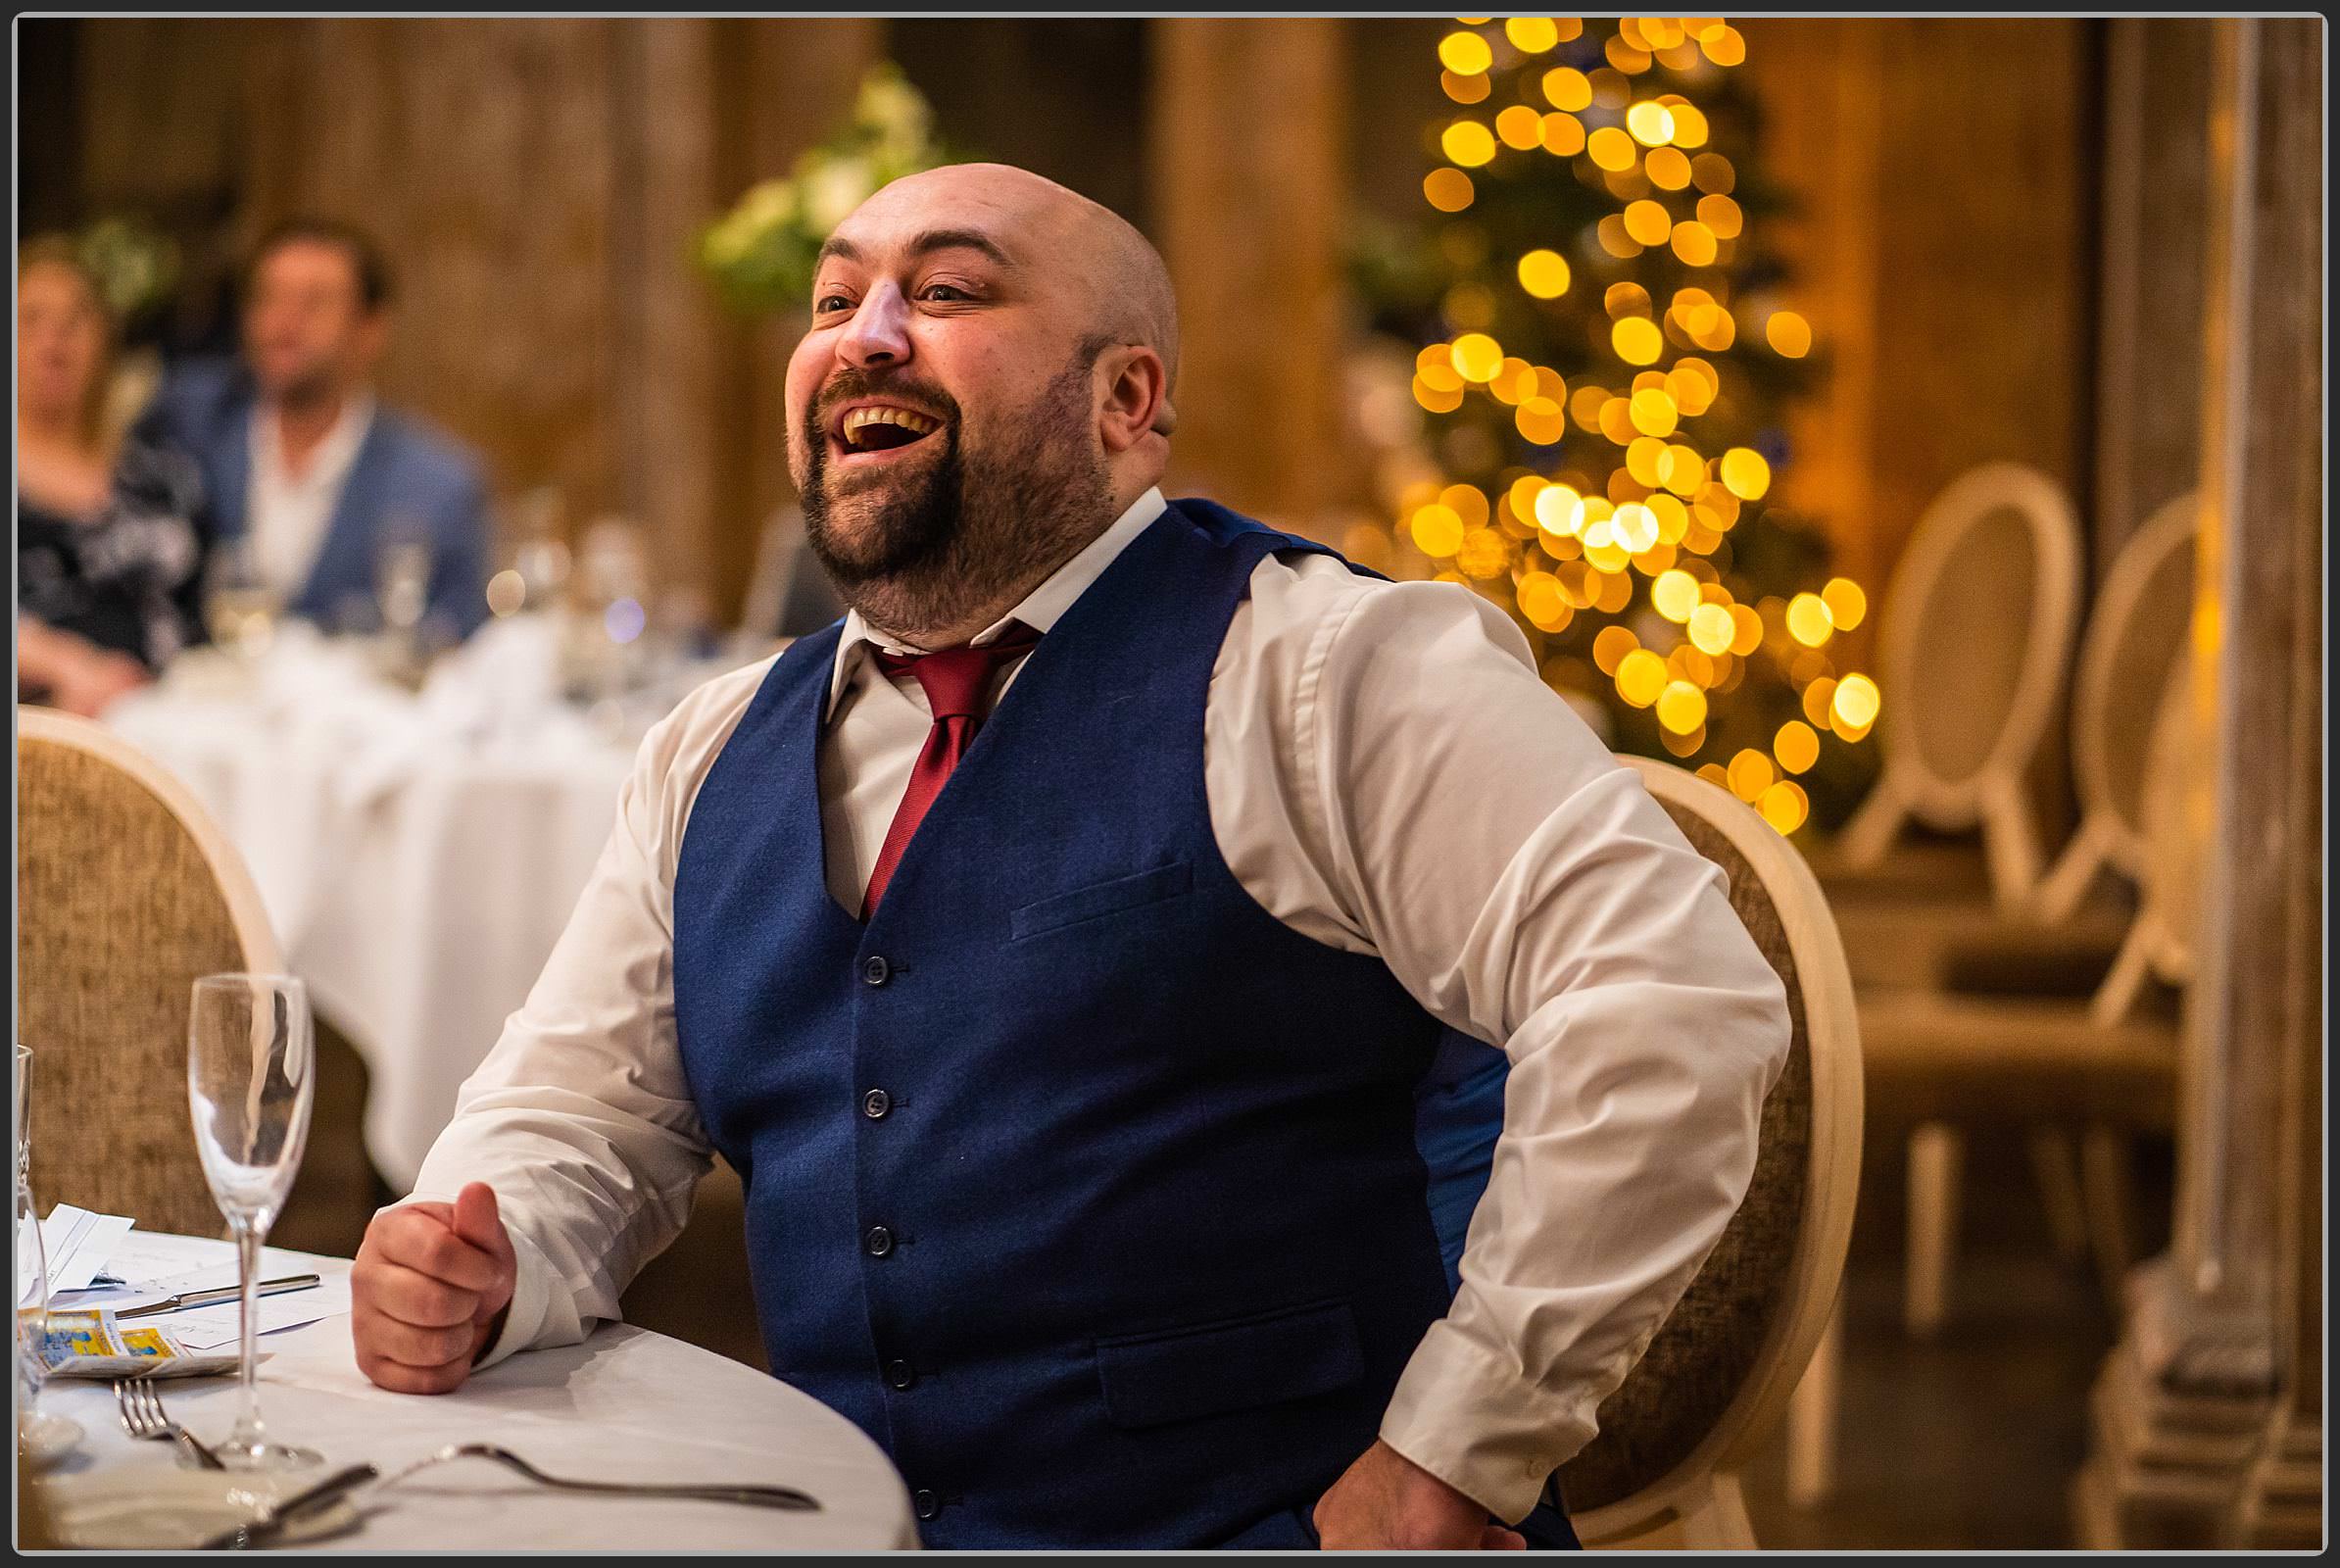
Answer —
1136 397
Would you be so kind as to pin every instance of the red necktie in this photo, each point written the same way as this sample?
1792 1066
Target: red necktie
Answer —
954 680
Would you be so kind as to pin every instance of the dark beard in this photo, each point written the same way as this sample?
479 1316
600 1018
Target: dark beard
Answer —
977 529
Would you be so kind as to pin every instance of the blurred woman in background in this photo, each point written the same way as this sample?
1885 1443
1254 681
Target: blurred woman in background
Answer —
106 546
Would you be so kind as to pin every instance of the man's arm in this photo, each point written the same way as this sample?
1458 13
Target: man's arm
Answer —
1526 887
580 1120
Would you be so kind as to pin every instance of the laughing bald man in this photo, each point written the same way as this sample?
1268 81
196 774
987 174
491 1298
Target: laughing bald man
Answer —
1074 949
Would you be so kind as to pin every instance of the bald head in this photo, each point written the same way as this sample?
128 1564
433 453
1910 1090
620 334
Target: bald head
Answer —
1108 274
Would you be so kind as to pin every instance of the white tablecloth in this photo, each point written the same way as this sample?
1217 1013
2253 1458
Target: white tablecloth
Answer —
625 1405
418 854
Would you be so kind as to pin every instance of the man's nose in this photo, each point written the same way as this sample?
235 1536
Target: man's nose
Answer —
879 333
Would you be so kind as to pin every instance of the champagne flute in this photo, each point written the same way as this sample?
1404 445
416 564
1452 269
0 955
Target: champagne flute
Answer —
251 1080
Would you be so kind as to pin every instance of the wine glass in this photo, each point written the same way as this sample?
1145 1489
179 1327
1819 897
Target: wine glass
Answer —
32 1275
250 1079
240 607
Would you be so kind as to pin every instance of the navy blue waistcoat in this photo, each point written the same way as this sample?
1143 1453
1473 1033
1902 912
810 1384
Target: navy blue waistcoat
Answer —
1081 1183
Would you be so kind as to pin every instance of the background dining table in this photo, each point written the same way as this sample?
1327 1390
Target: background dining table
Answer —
417 850
626 1405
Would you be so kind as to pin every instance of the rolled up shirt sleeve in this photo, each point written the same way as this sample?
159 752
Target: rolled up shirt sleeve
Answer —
581 1118
1527 888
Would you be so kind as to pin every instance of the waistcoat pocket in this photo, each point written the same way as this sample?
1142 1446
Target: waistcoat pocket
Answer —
1179 1374
1101 898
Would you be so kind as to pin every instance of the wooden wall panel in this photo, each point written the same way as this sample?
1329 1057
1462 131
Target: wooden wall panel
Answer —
1248 119
1945 254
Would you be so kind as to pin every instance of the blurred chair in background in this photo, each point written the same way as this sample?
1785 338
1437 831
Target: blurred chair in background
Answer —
125 893
1721 1371
1977 631
2104 1064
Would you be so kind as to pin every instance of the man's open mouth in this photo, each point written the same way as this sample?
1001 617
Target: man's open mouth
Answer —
882 427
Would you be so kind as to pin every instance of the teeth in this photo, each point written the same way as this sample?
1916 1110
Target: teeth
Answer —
916 423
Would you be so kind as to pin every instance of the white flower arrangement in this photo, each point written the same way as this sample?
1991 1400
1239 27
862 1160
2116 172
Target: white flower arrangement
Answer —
763 252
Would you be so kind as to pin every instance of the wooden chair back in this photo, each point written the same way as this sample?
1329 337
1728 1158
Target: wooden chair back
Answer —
1717 1375
1977 631
125 893
2135 632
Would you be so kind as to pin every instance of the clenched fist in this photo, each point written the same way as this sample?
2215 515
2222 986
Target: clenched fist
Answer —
428 1290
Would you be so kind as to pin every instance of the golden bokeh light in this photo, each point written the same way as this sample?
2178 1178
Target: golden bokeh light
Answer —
1449 190
1746 630
1790 334
1847 605
1542 601
1808 621
1784 806
1478 357
1521 127
1483 554
1682 470
1694 243
1673 595
1681 706
1610 148
1712 172
1563 134
1467 502
1523 493
1641 677
1469 143
1750 774
1855 703
1643 455
1722 215
1745 472
507 591
1713 631
1714 774
1625 57
1615 240
1567 88
1654 412
1724 46
1668 169
1532 35
1796 746
1611 645
1637 340
1689 124
1465 90
1540 420
1559 509
1648 221
1816 701
1637 527
1437 531
1436 398
1466 54
1651 125
1543 273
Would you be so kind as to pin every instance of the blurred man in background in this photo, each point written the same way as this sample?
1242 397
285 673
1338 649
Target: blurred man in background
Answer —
307 473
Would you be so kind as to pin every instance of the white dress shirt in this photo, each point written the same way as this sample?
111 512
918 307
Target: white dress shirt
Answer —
288 514
1387 775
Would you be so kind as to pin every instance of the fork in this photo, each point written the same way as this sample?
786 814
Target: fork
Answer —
716 1492
143 1416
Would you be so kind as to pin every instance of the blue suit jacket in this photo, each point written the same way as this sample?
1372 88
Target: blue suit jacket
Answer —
404 470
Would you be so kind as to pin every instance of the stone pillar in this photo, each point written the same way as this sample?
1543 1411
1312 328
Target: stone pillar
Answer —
2208 1420
1245 138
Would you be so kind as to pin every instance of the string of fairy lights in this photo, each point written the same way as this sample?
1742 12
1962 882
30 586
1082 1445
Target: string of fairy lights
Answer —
1631 504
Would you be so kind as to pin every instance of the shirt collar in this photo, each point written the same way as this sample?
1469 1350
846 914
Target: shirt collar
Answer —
333 456
1040 609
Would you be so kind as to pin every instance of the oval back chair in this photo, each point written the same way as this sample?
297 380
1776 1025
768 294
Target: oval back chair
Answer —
1717 1375
2135 631
1976 633
125 893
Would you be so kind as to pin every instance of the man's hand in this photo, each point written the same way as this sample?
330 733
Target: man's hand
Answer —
1386 1502
428 1290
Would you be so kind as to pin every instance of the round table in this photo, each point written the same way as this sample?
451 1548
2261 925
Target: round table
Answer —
625 1405
418 854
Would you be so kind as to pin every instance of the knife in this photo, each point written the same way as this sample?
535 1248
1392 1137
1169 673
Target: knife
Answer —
225 1293
273 1523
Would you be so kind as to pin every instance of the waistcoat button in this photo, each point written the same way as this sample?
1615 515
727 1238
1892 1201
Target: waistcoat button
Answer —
876 1104
879 1241
926 1502
876 971
900 1374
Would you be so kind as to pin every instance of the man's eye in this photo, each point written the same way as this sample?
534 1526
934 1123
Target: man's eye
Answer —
945 290
822 305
